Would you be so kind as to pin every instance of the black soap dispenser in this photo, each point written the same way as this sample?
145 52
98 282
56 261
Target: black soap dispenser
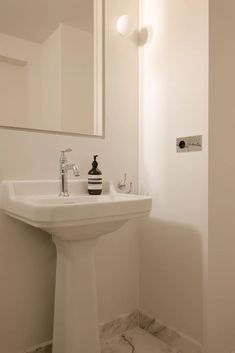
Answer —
95 179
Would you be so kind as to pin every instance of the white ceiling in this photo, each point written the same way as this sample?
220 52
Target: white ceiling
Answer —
35 20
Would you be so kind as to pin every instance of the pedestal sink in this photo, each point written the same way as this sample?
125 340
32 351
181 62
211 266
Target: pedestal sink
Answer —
76 223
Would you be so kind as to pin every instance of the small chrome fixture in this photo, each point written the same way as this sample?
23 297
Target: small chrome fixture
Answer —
189 144
64 167
125 25
122 185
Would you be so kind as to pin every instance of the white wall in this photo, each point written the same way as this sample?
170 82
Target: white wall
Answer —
173 103
27 260
221 288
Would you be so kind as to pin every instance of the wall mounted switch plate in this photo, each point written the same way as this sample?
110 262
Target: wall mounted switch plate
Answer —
189 144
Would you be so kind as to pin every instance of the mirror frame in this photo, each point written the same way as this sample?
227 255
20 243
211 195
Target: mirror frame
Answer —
99 80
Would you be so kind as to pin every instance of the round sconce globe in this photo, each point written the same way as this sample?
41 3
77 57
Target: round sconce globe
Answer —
125 25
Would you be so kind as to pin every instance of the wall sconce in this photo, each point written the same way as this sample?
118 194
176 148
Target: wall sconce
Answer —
125 25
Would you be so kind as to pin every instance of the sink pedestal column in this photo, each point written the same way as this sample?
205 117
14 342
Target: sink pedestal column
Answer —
75 318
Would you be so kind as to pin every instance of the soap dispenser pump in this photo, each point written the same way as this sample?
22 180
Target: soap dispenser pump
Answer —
95 179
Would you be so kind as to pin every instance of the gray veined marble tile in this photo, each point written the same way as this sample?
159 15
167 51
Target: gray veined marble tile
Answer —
136 341
180 342
46 349
119 326
174 339
151 325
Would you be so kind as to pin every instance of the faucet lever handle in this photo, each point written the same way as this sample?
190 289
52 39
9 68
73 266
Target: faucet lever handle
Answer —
63 158
67 150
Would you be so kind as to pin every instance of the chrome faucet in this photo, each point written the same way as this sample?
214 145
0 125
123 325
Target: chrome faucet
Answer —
122 185
64 167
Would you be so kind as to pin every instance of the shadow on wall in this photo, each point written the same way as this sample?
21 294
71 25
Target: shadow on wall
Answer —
141 37
145 35
27 275
171 274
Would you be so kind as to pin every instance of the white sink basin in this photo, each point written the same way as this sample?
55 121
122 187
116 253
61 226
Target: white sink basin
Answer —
75 222
71 218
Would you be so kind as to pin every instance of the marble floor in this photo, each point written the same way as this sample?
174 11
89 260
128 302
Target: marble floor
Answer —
136 341
47 349
133 341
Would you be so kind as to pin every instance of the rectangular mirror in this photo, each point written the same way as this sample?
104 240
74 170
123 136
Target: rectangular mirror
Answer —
51 65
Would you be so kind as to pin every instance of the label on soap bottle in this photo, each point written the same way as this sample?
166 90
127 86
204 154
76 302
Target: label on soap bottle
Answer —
95 182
